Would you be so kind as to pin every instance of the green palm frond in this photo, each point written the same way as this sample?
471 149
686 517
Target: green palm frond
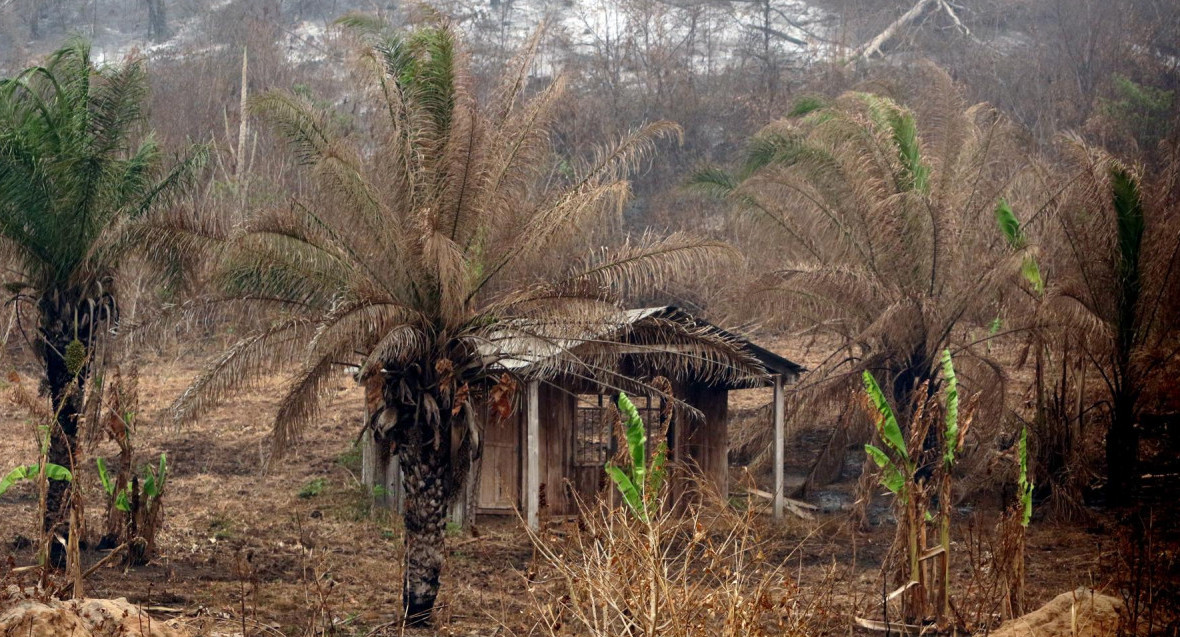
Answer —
1014 235
806 105
306 130
713 181
72 182
1128 207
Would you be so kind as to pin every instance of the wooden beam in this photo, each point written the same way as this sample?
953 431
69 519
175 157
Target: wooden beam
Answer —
779 447
797 507
532 481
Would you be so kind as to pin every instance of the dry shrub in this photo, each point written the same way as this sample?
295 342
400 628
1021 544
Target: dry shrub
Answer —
702 571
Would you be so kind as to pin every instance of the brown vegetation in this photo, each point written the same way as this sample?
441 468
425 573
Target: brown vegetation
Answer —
404 205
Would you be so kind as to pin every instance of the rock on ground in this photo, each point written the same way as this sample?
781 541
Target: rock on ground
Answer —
1079 613
84 618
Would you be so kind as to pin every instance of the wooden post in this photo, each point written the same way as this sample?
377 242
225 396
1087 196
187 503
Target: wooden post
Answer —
532 481
779 447
369 459
458 508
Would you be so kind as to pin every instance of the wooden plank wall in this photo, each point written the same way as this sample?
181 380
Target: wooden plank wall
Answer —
557 449
706 442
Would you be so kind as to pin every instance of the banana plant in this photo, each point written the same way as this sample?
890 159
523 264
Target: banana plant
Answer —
897 475
1015 535
31 472
153 483
108 485
140 502
954 433
640 482
898 468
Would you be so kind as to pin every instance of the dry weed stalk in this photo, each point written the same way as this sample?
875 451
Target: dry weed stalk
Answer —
700 573
1008 562
122 404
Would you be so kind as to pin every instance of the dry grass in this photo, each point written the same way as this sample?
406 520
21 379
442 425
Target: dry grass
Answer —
238 543
702 572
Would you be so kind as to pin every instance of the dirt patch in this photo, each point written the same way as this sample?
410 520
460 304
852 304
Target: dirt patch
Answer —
1078 613
84 618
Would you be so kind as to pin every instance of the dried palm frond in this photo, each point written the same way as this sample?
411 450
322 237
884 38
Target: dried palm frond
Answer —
1115 250
448 232
876 225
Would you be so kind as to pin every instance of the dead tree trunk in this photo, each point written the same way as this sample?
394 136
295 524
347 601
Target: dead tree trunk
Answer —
157 21
873 46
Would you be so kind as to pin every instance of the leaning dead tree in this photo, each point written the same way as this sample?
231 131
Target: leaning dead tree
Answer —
873 47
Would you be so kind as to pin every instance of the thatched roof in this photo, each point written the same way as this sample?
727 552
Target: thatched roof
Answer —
661 340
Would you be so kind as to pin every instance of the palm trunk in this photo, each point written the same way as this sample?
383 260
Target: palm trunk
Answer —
1122 450
65 369
424 452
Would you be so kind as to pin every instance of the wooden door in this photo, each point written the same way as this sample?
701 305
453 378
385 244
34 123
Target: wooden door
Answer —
499 475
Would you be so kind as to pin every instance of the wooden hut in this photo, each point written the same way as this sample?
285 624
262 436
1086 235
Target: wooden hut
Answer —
555 443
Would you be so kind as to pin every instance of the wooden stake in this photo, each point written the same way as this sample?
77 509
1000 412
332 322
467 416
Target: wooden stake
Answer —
532 485
73 555
779 447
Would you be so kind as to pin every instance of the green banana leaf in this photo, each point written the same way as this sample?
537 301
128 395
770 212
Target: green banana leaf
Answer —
887 425
162 472
1024 483
629 491
103 476
53 472
30 472
891 477
123 501
636 440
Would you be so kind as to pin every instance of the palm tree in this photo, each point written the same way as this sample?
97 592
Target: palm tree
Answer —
879 233
436 244
1119 259
77 197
